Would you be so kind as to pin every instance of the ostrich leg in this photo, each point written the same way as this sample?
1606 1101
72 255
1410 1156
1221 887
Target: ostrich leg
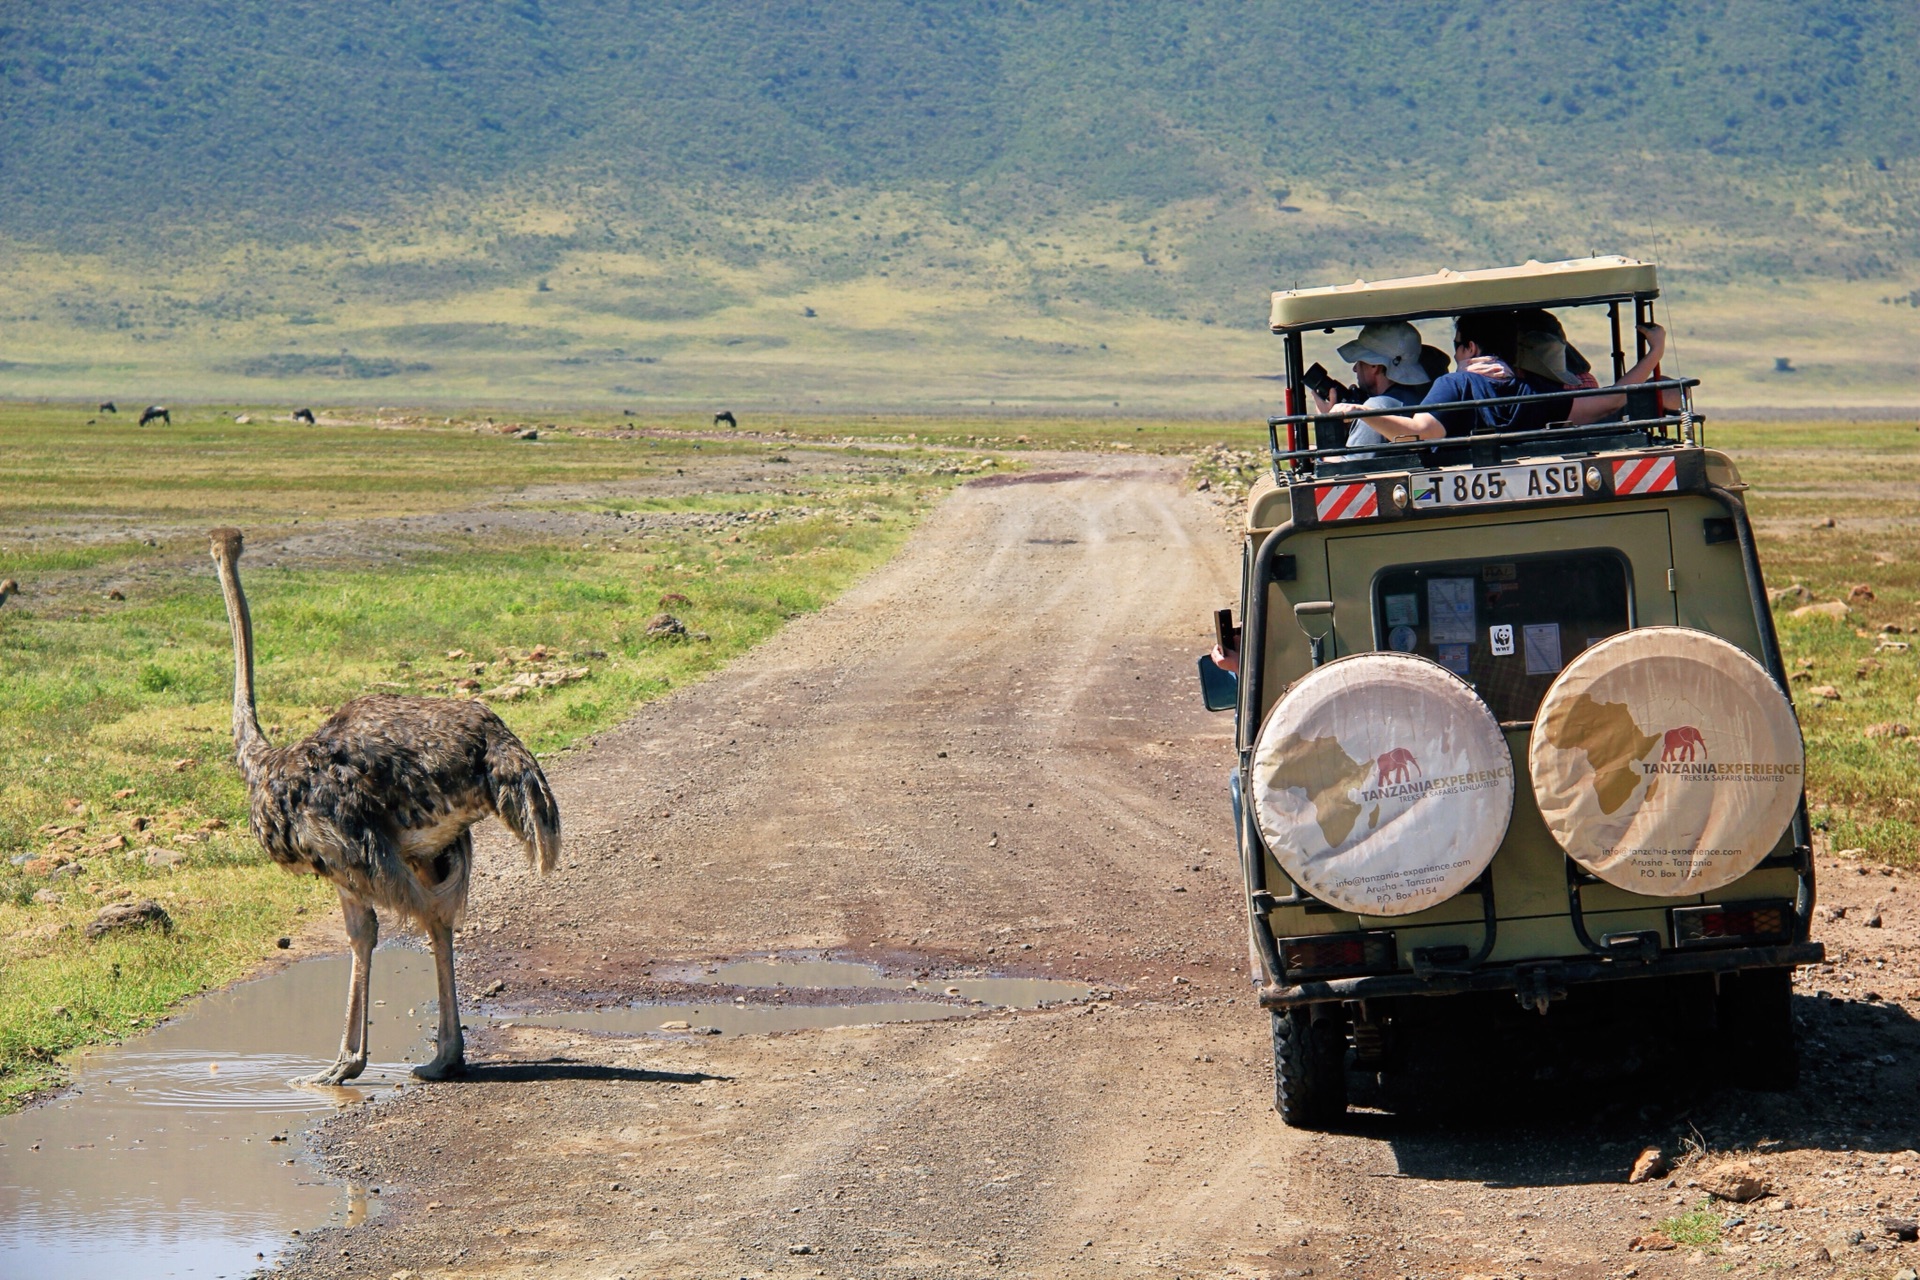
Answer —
451 1060
363 930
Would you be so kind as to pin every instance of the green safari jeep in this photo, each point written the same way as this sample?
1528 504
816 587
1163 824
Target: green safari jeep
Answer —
1511 714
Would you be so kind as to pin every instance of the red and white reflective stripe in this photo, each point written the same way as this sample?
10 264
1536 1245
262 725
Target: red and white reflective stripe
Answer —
1645 475
1346 501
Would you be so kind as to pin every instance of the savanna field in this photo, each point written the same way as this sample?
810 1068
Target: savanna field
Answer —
530 561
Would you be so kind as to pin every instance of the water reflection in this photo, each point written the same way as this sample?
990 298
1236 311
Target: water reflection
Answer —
178 1154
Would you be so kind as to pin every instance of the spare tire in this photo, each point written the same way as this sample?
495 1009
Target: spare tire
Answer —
1382 783
1666 761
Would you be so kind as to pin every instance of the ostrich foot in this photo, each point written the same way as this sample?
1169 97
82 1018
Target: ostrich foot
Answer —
338 1074
449 1063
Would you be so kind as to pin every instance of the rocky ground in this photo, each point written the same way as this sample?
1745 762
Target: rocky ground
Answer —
990 757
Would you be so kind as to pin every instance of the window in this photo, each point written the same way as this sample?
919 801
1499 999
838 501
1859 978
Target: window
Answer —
1506 626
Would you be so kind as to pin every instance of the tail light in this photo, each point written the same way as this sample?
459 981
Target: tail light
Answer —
1333 955
1732 922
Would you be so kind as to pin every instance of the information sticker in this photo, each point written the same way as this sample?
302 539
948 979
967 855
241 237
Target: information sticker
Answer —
1542 641
1500 639
1451 616
1403 611
1454 657
1403 639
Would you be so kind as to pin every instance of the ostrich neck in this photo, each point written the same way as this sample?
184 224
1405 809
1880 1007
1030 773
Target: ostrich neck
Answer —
248 741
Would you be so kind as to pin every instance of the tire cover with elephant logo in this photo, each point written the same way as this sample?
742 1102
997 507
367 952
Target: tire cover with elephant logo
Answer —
1382 783
1666 761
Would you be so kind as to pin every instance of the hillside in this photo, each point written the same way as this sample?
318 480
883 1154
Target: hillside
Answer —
580 201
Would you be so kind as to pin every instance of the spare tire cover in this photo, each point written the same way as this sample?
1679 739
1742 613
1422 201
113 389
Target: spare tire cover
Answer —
1382 783
1666 761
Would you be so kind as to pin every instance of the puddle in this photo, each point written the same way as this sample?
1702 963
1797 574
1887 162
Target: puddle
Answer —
809 979
163 1159
161 1162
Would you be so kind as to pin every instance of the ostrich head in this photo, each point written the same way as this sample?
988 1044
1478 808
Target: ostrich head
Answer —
248 741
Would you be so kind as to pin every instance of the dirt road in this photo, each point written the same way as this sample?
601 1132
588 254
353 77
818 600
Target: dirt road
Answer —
991 756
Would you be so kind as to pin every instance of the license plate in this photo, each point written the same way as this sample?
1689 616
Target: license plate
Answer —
1472 486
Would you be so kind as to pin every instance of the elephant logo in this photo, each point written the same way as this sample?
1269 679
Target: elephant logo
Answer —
1680 744
1394 764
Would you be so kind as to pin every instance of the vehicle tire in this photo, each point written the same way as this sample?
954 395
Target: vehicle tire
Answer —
1756 1029
1310 1067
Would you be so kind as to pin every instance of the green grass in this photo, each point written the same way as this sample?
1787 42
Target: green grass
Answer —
1866 478
1698 1227
114 714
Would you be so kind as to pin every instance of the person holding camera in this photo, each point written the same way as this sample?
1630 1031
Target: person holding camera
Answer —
1387 372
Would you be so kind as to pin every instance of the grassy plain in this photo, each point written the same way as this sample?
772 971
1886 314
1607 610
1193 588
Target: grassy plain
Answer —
380 547
404 557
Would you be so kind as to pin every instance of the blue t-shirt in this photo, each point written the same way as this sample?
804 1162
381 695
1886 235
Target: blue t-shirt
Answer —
1461 385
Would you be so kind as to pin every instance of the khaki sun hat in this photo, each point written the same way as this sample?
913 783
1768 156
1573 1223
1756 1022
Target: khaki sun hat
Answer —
1544 354
1393 343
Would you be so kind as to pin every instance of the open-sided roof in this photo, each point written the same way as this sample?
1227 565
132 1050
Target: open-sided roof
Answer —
1536 284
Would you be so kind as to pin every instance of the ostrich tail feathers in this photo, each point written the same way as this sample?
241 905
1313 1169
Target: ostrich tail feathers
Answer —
523 799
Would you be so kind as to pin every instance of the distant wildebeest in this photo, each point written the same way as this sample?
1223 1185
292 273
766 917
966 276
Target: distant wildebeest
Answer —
726 416
303 415
107 406
156 413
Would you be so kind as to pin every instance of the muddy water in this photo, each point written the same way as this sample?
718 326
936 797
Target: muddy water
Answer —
163 1160
180 1154
851 984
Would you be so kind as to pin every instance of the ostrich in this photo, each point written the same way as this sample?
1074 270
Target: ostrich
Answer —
156 413
726 416
379 802
303 415
7 588
108 406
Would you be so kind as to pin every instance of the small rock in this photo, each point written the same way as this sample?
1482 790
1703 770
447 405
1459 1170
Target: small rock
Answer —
1825 609
184 763
665 624
673 598
48 897
1734 1180
800 1250
130 915
1652 1242
1859 593
1901 1228
1889 729
245 419
284 944
1821 1255
66 871
495 987
116 594
1793 595
1906 1273
1824 522
1834 913
164 858
124 793
676 1026
1872 921
1648 1165
1825 692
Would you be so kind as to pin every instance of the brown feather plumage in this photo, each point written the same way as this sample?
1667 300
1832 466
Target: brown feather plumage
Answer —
380 801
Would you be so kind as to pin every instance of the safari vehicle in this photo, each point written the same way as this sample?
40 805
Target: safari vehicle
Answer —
1511 717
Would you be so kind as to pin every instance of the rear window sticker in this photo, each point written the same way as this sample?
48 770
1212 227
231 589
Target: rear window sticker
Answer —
1542 640
1500 639
1451 615
1403 611
1403 639
1454 657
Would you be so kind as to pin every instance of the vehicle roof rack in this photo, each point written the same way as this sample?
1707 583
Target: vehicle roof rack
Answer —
1575 282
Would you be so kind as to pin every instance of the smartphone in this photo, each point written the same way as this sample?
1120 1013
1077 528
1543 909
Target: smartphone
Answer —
1224 631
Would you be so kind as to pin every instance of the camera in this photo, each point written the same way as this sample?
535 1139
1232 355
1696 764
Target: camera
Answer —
1322 384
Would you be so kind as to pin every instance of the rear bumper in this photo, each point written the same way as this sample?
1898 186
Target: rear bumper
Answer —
1542 976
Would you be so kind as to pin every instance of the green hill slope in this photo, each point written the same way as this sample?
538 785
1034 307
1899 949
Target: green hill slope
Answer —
621 201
